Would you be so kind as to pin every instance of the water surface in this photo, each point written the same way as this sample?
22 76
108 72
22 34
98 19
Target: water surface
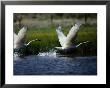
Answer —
50 64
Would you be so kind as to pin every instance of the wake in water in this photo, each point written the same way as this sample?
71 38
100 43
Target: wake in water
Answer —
51 53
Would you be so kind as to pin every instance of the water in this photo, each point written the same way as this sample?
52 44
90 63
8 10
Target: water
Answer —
49 63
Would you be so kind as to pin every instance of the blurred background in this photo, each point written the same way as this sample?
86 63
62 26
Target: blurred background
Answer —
40 20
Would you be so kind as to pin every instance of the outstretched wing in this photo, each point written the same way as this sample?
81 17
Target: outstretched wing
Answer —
22 34
15 38
61 36
72 34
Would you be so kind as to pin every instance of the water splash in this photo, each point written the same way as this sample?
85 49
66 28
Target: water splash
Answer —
51 53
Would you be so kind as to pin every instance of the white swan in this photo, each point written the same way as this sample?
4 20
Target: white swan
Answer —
67 42
19 39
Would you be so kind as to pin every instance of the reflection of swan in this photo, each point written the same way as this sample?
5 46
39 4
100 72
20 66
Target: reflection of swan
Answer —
19 39
67 43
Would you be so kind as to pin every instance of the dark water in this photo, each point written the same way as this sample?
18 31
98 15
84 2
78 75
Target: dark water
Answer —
52 65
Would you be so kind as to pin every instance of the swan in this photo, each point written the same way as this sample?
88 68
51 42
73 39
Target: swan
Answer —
19 38
21 48
67 42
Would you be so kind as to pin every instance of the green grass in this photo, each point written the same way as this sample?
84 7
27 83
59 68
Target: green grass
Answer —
49 38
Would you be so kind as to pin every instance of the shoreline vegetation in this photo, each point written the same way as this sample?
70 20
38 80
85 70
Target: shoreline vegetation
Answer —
43 27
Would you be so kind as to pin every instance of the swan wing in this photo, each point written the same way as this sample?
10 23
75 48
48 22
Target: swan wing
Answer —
22 34
61 36
72 34
16 41
15 36
19 39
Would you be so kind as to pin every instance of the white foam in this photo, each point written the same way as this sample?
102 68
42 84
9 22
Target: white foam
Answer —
48 54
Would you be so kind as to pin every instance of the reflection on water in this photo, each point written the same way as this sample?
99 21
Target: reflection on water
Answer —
48 63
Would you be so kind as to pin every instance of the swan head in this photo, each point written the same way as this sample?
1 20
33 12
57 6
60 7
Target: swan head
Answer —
37 40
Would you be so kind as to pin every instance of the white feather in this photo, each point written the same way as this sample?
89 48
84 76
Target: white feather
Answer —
61 36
